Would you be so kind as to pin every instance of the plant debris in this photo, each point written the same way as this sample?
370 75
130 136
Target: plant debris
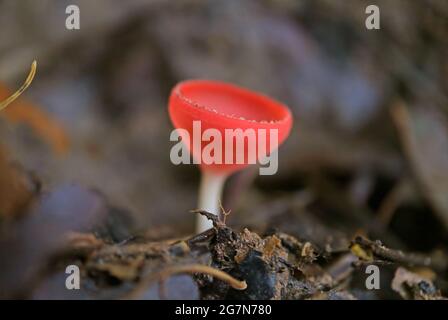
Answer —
411 286
225 264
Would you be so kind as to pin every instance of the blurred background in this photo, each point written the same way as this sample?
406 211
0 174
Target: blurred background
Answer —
368 153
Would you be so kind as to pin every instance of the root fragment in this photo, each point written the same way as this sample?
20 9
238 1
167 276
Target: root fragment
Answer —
25 85
191 269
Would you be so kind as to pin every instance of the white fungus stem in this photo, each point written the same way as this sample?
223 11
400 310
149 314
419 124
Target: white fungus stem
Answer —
210 191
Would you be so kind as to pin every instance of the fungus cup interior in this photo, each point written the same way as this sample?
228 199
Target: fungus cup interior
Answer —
222 106
248 125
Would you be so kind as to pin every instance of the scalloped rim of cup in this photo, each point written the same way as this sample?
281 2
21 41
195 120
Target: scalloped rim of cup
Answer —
287 113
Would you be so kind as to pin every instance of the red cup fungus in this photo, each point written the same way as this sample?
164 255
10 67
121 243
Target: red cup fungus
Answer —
225 128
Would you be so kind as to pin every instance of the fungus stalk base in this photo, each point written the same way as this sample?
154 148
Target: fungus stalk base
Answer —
210 191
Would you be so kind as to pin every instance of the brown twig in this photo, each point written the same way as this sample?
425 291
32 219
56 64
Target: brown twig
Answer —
191 269
213 217
437 262
223 214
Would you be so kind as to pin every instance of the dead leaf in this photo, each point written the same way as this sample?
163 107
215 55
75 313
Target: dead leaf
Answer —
424 135
413 286
271 243
125 270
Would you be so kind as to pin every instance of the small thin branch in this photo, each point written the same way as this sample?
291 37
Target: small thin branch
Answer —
223 214
191 269
438 262
26 84
210 216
